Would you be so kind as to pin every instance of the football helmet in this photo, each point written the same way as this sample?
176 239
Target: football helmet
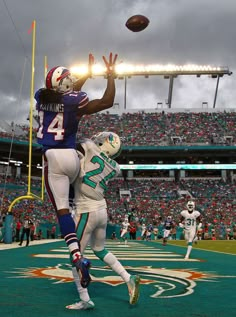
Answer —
108 142
59 78
190 205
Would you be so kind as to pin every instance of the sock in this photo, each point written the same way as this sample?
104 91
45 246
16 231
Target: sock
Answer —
67 227
116 266
189 249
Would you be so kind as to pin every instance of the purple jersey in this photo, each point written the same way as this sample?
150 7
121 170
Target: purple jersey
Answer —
58 122
168 224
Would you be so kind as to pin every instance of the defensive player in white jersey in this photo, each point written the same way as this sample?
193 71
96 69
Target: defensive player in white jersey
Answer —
124 229
97 168
143 231
190 221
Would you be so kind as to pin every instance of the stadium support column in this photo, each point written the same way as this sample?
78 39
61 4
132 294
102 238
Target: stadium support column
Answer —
125 93
171 84
18 172
177 176
216 91
130 174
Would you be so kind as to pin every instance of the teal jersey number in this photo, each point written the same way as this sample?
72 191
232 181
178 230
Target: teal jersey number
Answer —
190 222
87 177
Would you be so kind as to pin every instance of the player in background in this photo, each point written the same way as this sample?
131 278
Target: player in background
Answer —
155 233
124 230
191 221
97 169
149 231
143 231
167 226
60 107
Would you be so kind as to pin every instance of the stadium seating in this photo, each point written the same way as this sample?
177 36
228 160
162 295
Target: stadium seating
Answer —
155 128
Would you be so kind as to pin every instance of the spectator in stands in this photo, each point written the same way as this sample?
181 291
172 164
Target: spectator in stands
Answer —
53 232
60 107
1 232
234 232
40 234
48 233
132 231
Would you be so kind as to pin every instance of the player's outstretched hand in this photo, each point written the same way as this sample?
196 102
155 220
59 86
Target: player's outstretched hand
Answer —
110 64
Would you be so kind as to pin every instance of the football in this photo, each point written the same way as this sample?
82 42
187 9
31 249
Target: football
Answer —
137 23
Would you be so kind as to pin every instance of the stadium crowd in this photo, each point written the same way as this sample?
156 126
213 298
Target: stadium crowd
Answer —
149 201
155 128
141 128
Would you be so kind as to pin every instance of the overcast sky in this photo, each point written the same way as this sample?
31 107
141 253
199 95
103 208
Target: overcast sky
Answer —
180 32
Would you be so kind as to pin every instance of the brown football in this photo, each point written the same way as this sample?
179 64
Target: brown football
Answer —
137 23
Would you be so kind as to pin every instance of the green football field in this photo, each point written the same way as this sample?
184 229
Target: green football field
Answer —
36 281
225 246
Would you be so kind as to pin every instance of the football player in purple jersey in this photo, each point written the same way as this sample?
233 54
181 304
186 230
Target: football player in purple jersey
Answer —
167 226
60 106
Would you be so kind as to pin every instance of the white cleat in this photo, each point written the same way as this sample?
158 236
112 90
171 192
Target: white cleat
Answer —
133 287
82 305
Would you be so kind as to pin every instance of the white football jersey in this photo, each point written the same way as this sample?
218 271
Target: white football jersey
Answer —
96 170
190 219
144 226
125 225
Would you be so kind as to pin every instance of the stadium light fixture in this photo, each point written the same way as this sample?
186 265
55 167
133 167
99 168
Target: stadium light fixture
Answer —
168 71
4 163
124 69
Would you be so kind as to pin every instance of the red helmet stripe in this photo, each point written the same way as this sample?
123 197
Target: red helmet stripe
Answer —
63 75
49 77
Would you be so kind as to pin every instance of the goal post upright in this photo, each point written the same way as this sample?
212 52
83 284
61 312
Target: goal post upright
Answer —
29 195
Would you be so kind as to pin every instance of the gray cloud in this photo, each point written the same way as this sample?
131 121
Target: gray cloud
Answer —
180 32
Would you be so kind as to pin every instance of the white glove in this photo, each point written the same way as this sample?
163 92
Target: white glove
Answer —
181 225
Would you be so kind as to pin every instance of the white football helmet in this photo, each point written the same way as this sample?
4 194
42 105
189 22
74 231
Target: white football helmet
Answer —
108 142
190 205
59 78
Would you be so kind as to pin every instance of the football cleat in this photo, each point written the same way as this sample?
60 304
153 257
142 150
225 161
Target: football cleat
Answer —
82 266
82 305
133 287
